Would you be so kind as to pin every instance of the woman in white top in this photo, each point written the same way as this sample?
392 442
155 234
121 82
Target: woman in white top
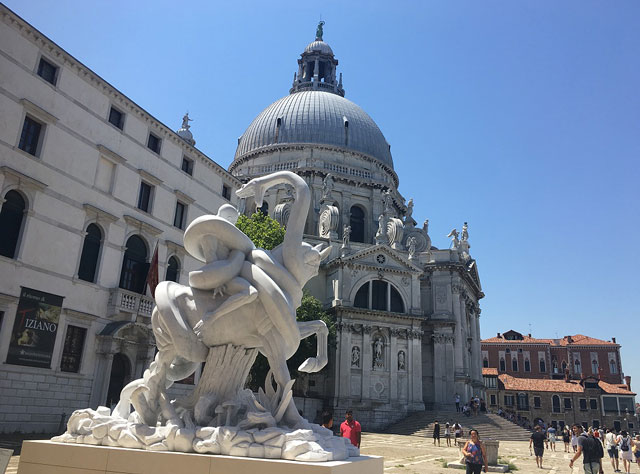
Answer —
625 441
574 442
447 433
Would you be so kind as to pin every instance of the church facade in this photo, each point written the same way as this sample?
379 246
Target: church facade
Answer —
407 312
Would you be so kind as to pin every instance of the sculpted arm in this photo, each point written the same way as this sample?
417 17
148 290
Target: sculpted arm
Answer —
217 273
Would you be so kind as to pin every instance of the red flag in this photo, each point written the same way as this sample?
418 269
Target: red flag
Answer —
152 275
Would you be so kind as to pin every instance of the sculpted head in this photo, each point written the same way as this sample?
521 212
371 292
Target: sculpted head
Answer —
311 259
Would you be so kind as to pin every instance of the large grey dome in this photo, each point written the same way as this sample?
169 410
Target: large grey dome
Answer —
315 117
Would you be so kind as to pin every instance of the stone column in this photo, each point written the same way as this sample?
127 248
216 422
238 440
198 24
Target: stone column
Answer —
439 369
414 369
393 364
366 360
459 341
343 362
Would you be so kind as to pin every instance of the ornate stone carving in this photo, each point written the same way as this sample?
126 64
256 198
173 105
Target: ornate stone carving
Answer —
283 210
455 242
439 338
401 360
378 353
328 222
395 231
411 244
366 329
406 281
414 334
355 356
229 311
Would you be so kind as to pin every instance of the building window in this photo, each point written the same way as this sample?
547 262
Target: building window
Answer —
523 401
514 364
503 365
72 350
567 404
537 402
583 404
577 367
508 400
485 363
527 365
543 366
554 365
116 118
226 192
173 269
133 274
30 138
492 400
593 403
47 71
179 217
596 424
613 367
594 367
555 404
356 221
187 165
11 217
144 197
90 254
153 143
379 295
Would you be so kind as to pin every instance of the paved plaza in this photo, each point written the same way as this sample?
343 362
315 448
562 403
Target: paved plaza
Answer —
417 455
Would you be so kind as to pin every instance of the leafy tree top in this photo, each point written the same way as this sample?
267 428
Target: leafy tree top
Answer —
264 232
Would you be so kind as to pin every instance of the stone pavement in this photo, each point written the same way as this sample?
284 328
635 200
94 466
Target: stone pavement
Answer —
417 455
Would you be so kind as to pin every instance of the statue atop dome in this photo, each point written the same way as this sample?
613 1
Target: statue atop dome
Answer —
185 121
184 132
319 31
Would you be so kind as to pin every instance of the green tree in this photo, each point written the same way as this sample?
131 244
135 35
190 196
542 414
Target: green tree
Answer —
267 233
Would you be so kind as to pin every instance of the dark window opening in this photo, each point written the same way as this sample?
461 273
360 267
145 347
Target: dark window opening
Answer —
11 217
153 143
485 363
503 365
596 424
356 221
226 192
555 402
583 404
47 71
514 364
187 165
173 270
396 304
133 275
567 404
362 297
527 365
543 366
116 118
144 198
492 399
508 400
179 217
537 402
264 208
90 254
523 401
593 403
72 350
30 136
379 295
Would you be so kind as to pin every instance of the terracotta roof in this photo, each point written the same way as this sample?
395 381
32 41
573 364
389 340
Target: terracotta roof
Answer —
540 385
578 339
489 371
558 386
619 389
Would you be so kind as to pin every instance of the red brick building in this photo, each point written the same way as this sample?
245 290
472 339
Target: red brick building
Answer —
521 355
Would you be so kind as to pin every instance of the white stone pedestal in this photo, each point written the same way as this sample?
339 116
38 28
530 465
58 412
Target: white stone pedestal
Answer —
47 457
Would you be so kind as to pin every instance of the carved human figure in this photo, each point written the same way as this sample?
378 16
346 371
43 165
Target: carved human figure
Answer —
386 201
409 214
465 233
185 121
319 31
401 361
412 247
327 186
455 242
355 356
425 226
381 234
378 347
346 233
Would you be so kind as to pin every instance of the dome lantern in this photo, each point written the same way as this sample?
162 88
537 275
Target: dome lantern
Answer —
317 68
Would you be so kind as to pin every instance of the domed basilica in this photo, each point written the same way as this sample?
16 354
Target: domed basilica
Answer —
407 312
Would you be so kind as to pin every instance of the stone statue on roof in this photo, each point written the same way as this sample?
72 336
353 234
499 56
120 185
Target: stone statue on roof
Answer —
185 121
319 31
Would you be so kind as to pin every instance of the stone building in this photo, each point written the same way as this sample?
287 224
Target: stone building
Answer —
407 312
524 356
90 184
589 401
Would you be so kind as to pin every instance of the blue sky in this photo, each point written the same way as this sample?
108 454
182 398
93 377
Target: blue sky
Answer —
520 117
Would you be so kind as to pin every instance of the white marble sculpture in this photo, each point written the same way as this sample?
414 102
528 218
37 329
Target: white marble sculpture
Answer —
242 301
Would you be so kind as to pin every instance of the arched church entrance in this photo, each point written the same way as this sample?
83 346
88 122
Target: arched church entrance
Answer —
120 375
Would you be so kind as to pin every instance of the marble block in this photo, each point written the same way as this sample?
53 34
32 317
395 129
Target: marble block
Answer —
48 457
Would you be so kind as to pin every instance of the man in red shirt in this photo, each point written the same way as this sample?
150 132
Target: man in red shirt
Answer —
351 429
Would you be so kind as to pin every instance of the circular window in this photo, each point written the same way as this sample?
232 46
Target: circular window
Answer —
381 259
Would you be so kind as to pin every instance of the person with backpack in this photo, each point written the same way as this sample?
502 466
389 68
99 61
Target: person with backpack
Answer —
625 444
590 449
611 444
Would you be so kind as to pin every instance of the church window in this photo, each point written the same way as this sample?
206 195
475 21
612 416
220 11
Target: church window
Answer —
555 404
514 364
154 142
527 365
11 217
133 274
356 221
503 365
90 254
144 197
173 269
31 136
379 295
47 71
72 349
116 118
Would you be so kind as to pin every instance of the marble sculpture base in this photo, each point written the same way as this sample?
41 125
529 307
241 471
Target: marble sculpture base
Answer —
48 457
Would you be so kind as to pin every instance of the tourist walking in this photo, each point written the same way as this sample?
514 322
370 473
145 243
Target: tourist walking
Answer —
351 429
457 429
551 436
447 433
475 455
436 433
625 445
574 441
590 449
611 445
537 440
566 439
456 398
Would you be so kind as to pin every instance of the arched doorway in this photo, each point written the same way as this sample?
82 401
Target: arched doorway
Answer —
120 375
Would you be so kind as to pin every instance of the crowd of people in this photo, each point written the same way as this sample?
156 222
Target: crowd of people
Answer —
474 406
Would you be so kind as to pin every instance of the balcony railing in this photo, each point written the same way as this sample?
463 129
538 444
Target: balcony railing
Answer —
125 301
